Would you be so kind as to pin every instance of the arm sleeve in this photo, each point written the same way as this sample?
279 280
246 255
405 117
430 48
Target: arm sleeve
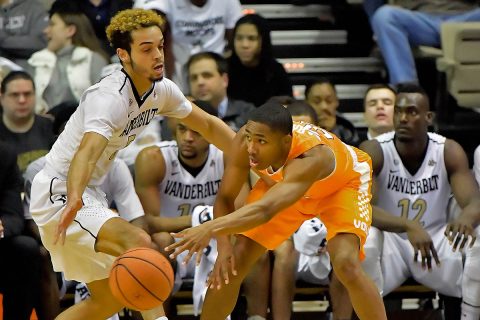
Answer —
11 210
234 12
123 192
104 112
175 104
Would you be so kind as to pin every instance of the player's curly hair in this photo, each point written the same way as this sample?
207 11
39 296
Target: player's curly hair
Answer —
123 23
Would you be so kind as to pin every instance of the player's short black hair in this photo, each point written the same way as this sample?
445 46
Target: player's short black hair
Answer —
412 87
274 115
14 75
302 108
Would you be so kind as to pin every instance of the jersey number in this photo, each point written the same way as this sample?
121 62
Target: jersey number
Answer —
419 205
186 208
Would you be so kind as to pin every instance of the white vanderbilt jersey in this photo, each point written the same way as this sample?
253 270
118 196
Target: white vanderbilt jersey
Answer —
422 196
114 109
180 192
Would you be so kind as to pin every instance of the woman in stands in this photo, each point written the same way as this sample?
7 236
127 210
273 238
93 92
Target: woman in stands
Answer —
254 74
72 61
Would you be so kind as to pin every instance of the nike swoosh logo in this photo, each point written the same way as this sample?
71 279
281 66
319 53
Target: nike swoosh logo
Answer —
394 171
174 173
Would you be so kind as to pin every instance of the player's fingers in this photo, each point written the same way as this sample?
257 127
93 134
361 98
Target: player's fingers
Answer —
448 232
423 257
190 254
473 241
233 266
454 234
434 254
415 254
464 241
225 272
456 241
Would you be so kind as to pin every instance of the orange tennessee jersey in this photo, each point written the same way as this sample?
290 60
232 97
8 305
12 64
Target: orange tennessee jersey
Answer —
342 199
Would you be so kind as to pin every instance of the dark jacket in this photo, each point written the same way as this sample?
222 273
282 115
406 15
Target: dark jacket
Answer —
237 112
11 210
345 130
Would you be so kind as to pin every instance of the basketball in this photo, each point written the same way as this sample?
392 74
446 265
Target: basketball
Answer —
141 279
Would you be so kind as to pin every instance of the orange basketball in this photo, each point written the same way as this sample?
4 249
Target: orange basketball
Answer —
141 279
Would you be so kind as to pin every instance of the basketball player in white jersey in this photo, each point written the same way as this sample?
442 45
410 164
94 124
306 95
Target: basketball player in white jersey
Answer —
172 179
76 226
415 172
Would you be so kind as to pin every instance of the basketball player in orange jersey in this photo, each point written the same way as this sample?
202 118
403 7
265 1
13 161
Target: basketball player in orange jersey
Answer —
81 233
305 171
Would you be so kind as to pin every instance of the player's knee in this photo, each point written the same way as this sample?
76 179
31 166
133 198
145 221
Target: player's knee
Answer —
383 16
347 267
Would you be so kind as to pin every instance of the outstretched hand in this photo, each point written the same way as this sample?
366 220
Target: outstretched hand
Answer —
459 231
67 216
194 240
422 244
224 265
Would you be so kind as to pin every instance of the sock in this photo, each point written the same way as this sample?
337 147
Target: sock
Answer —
255 317
162 318
470 312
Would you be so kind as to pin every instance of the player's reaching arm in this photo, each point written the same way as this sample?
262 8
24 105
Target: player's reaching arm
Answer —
467 194
298 178
149 173
79 174
212 128
419 238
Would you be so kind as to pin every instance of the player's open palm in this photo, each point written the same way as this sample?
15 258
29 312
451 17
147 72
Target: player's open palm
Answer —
460 230
224 266
422 245
194 240
66 218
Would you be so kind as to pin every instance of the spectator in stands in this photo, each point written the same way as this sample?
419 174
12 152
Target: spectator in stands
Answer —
20 254
255 74
172 179
72 61
29 135
408 23
193 27
378 105
415 172
99 12
322 96
209 79
21 27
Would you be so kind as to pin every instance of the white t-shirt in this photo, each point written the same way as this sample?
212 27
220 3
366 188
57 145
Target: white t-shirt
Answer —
421 195
180 192
114 109
196 29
